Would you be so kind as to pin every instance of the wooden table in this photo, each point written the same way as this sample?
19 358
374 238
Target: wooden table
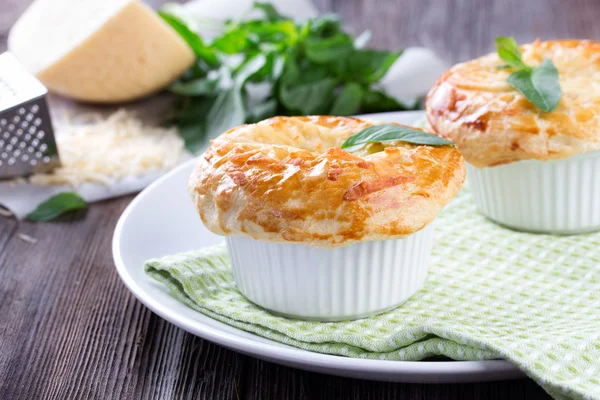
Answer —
69 329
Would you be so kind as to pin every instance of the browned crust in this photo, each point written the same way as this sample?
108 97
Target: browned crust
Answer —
253 182
492 123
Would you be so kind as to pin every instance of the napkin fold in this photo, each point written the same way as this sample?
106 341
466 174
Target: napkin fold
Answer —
531 299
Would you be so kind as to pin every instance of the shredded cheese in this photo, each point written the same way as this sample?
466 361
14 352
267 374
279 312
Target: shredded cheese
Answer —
26 238
102 150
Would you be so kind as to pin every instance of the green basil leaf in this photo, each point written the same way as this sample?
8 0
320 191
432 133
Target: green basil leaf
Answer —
248 68
57 205
189 108
325 50
270 12
198 70
271 70
298 71
326 41
279 32
232 42
308 92
274 67
325 25
312 73
369 66
309 98
191 38
228 109
196 87
348 101
508 50
392 133
291 71
540 85
207 85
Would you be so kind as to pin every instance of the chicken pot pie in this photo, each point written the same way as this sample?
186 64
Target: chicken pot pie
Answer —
529 169
316 232
287 180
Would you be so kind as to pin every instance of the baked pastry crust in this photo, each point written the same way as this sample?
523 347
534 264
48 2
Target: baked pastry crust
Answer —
492 123
286 180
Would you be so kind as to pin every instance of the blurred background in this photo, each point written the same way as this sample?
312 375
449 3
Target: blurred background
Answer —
455 29
74 327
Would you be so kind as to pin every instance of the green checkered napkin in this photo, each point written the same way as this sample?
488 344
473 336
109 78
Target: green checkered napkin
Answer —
491 293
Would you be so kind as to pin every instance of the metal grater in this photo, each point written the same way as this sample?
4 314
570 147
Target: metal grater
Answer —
27 142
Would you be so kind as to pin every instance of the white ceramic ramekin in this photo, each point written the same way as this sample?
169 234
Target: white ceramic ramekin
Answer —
337 284
560 196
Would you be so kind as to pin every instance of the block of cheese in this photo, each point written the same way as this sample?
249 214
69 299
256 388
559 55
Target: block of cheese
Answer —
101 51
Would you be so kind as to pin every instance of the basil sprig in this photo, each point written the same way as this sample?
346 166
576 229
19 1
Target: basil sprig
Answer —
57 205
540 85
392 133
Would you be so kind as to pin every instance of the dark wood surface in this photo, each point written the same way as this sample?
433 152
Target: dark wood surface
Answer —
69 329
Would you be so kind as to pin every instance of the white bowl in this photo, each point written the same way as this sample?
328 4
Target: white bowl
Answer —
320 284
559 197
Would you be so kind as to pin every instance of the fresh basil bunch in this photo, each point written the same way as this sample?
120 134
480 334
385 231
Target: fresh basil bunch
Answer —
301 69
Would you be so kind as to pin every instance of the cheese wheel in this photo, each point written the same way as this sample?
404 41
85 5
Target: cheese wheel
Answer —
105 51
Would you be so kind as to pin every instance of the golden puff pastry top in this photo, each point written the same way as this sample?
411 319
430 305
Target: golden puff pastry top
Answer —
286 179
492 123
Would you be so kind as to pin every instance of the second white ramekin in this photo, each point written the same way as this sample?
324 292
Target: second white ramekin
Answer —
337 284
559 197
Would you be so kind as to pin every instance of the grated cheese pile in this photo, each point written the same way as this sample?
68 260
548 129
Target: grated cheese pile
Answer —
104 150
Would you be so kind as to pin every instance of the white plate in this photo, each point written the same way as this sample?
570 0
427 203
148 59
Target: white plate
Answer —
161 220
